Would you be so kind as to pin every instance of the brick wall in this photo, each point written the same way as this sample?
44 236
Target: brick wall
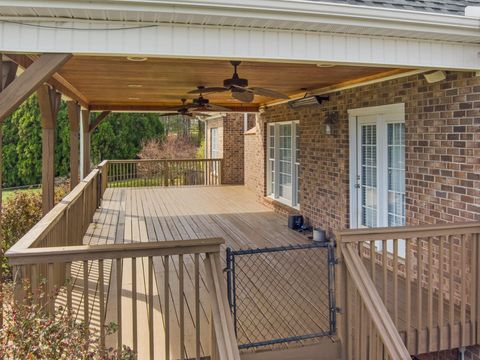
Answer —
250 147
442 123
233 149
442 149
231 145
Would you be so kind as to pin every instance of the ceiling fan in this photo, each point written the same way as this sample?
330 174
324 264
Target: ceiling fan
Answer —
194 108
184 110
239 88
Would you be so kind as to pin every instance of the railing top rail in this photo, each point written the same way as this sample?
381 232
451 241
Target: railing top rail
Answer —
160 160
407 232
40 229
112 251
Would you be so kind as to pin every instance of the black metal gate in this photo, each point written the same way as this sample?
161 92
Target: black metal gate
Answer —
282 294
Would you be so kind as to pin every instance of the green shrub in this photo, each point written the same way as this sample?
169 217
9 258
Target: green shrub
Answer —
30 333
20 213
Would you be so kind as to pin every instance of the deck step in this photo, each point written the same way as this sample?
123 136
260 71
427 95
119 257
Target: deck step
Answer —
326 349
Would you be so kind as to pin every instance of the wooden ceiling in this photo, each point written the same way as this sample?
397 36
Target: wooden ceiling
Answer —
116 83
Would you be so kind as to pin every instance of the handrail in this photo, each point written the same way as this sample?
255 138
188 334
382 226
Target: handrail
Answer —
134 161
46 224
427 269
112 251
402 232
162 172
378 313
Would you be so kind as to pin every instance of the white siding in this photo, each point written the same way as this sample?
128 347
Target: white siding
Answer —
176 40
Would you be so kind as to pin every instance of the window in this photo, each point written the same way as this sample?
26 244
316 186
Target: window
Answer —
283 162
214 148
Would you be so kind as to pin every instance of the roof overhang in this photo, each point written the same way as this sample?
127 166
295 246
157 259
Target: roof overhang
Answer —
270 30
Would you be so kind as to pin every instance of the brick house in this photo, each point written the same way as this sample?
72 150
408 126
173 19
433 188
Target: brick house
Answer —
363 117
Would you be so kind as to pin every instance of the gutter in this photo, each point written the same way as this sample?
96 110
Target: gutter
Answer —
274 13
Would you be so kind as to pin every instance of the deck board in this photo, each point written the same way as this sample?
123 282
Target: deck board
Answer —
163 214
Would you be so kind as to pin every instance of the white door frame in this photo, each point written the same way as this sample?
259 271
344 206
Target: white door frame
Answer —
390 113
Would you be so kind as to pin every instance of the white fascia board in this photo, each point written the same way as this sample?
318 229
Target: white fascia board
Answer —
275 13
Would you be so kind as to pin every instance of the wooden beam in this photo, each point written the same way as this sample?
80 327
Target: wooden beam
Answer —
74 118
98 120
86 142
9 72
49 103
159 108
24 85
57 80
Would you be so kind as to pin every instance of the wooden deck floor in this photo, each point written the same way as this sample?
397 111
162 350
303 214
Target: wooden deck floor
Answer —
162 214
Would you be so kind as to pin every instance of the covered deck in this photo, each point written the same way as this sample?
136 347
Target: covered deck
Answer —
150 214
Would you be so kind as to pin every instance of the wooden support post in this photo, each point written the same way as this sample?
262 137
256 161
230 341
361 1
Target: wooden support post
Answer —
74 117
34 76
8 71
86 142
49 103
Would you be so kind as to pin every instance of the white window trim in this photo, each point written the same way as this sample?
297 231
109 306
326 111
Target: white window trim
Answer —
294 203
394 113
213 150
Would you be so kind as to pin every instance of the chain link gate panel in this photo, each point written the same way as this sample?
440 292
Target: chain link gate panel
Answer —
282 294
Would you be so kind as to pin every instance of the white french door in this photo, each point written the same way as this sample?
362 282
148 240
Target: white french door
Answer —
377 167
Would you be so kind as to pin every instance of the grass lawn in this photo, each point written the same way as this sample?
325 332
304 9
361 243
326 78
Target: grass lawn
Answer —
9 193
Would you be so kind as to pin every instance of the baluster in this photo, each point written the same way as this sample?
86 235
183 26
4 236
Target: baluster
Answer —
419 286
372 260
197 306
134 305
51 288
408 292
119 306
101 279
182 306
441 294
473 290
463 297
385 271
430 293
166 291
451 313
395 282
150 307
86 316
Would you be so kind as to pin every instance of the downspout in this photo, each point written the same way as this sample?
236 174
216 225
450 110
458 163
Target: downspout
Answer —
461 353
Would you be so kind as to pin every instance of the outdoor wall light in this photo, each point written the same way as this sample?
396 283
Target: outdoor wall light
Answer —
331 119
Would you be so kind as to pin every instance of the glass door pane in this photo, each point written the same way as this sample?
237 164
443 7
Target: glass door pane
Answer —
368 176
396 174
285 161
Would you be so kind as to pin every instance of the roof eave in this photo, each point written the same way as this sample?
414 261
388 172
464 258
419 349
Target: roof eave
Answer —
272 13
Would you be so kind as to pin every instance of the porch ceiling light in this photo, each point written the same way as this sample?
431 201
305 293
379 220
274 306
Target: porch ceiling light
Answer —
325 65
137 58
133 98
134 86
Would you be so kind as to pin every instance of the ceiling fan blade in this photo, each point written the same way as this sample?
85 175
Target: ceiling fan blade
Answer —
213 107
169 114
208 90
268 93
243 96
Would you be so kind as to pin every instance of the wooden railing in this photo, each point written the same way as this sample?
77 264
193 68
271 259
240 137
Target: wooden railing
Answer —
426 277
86 272
65 224
85 278
152 172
